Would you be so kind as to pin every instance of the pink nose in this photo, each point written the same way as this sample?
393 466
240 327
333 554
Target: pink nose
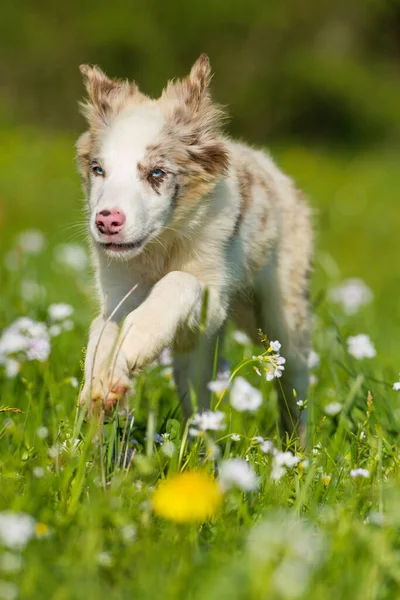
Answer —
110 222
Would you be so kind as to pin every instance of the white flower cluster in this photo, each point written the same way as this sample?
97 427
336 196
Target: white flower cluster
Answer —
59 317
355 473
236 472
332 409
241 338
27 339
281 461
16 529
71 256
209 420
351 294
291 548
33 242
244 397
272 363
360 346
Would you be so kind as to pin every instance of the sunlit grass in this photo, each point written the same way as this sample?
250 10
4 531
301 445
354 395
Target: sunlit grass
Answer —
321 522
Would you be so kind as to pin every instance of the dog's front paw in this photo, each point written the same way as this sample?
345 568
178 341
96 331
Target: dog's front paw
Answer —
108 388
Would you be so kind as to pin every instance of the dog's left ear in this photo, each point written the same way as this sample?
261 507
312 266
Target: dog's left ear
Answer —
105 95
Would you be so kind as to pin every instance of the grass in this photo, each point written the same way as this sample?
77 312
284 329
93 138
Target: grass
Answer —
317 532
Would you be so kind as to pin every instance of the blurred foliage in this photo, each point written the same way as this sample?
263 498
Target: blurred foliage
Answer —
312 70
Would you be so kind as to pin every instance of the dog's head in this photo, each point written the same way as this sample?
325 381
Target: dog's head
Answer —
147 163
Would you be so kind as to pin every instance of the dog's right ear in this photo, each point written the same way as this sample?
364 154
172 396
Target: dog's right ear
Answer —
105 95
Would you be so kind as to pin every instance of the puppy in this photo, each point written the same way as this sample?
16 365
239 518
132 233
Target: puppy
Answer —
188 228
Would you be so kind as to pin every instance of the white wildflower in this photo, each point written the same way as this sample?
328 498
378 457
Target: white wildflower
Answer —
396 385
224 369
104 559
351 294
73 382
16 529
31 291
38 472
287 548
313 359
267 447
38 350
281 462
128 533
271 364
275 346
235 437
361 346
333 408
241 338
12 366
60 311
286 459
236 472
317 448
13 341
209 420
31 241
218 386
244 397
27 336
54 330
165 357
68 325
168 449
42 432
277 472
359 473
54 451
72 256
301 404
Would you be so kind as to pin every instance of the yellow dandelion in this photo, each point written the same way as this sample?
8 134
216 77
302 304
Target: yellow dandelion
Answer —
189 497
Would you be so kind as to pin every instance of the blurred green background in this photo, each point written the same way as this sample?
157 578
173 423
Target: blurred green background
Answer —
317 82
310 70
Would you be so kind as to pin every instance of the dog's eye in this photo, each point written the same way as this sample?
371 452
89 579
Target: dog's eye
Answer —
97 170
157 173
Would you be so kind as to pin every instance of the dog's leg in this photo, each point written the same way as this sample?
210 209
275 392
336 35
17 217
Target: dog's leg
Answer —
285 317
192 372
103 337
173 307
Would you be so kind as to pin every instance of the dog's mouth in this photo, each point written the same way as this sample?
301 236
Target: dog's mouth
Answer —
122 247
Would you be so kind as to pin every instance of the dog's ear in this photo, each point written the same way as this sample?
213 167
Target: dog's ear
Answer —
196 120
105 95
198 81
193 89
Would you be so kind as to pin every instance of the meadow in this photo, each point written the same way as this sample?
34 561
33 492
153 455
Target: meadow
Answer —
85 511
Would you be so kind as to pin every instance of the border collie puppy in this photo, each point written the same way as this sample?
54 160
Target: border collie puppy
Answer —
188 228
